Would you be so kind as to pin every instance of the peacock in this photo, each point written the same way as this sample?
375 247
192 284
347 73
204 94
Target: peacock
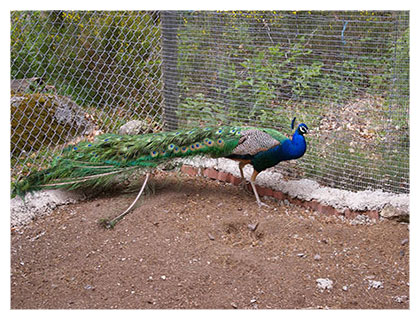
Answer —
96 163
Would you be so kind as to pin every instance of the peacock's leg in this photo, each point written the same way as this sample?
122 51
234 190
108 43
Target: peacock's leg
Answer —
253 177
241 169
243 183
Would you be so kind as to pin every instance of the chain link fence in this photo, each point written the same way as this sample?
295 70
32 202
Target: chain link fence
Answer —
345 74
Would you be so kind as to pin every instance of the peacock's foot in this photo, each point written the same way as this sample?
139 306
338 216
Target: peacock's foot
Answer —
245 186
262 204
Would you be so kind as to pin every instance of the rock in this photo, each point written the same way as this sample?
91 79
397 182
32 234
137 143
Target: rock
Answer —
211 237
70 113
253 226
317 257
26 85
324 284
400 299
391 212
375 284
134 127
40 203
56 114
234 305
404 241
301 255
345 288
360 220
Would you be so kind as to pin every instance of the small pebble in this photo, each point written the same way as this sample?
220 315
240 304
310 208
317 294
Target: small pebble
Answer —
234 305
375 284
317 257
401 299
300 255
405 241
345 288
211 237
324 283
253 226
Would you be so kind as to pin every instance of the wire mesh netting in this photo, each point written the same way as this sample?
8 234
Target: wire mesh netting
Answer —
345 74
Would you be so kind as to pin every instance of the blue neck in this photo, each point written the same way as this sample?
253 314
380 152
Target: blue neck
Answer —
287 150
295 148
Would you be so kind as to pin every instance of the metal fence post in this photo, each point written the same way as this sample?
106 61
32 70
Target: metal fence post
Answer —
169 68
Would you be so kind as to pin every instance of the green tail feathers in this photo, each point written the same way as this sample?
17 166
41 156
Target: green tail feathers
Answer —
95 163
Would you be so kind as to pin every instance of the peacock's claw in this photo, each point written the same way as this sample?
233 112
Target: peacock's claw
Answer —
262 204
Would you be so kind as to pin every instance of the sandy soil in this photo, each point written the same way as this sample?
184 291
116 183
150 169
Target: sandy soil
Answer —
196 243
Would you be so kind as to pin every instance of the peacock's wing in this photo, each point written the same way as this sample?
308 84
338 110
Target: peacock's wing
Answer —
275 134
253 141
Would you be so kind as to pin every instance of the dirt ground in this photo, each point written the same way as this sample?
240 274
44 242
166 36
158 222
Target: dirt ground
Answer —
195 243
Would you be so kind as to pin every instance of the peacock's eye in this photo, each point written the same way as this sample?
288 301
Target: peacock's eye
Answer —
303 130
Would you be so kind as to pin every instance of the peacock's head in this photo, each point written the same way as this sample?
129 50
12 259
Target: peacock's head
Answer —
301 128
